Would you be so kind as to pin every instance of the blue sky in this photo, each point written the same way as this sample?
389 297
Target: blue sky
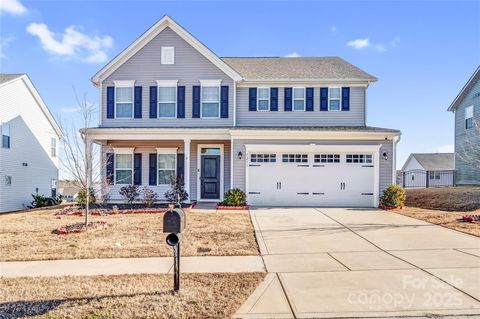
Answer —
422 52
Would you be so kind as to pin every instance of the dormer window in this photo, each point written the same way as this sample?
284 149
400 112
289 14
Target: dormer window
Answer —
168 55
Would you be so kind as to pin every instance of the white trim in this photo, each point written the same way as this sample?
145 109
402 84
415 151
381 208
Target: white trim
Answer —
199 169
304 99
124 83
305 134
268 98
187 164
167 150
163 55
280 83
396 139
201 100
123 150
339 99
151 33
234 104
167 83
453 105
210 82
164 85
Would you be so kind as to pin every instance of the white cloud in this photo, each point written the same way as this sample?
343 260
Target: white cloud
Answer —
70 109
12 6
293 55
4 43
72 43
447 148
359 44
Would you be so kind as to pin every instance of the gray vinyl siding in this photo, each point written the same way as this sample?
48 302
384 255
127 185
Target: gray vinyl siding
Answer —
145 68
354 117
467 163
386 168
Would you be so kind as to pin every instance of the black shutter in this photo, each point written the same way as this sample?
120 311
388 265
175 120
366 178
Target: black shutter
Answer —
252 99
138 102
309 101
273 99
137 169
181 102
346 99
181 167
323 99
152 169
110 167
153 102
196 101
288 99
224 102
110 102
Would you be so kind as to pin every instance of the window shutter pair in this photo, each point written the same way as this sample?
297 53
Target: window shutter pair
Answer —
252 99
180 102
137 102
137 168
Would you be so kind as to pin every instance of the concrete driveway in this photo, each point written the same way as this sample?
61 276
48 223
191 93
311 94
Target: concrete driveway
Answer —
337 262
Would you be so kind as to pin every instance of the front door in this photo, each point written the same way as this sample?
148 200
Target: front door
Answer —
210 174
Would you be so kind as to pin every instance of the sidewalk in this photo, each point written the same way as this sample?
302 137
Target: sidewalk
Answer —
119 266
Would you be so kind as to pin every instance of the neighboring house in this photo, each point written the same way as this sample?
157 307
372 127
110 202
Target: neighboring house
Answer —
29 145
428 170
466 107
69 190
287 131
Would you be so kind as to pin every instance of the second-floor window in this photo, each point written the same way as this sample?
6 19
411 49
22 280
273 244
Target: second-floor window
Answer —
53 147
469 117
334 98
263 99
123 168
299 99
5 135
210 101
167 101
124 102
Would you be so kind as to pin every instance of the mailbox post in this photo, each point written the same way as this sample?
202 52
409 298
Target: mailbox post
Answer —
174 222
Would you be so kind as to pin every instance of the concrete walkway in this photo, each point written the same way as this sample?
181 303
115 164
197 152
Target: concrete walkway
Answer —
117 266
334 262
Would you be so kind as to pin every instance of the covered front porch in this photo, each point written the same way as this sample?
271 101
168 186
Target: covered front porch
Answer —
154 157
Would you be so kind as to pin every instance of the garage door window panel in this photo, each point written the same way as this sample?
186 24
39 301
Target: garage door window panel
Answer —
327 158
295 158
359 158
263 158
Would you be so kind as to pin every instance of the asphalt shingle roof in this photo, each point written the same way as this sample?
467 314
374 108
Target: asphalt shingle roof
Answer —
321 68
8 77
436 161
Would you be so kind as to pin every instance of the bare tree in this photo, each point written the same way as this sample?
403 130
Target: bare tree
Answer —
469 152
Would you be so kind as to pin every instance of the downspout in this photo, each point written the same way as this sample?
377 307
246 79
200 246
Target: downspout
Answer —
100 106
234 103
366 103
396 139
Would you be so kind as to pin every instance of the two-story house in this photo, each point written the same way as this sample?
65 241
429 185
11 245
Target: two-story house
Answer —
466 107
287 131
29 144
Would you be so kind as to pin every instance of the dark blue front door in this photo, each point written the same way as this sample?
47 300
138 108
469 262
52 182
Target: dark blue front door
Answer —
210 177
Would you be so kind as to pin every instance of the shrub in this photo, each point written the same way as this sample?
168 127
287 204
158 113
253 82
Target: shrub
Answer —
177 192
393 196
235 197
130 192
39 201
82 197
149 196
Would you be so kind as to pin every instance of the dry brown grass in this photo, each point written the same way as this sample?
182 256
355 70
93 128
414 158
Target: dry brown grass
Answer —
443 218
126 296
27 236
460 199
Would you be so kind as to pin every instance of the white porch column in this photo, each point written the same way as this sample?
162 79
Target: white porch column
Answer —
186 173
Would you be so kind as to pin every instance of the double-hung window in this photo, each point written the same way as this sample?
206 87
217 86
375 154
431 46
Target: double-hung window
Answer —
210 99
124 99
124 168
167 99
469 117
53 147
334 99
5 135
263 99
167 167
299 99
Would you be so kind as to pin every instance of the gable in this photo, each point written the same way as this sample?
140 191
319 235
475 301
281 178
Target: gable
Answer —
145 64
472 84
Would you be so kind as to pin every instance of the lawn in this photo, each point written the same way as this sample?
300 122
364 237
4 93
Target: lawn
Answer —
126 296
460 199
443 218
28 236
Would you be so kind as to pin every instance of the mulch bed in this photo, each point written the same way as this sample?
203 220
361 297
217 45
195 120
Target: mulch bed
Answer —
75 211
220 206
389 207
76 228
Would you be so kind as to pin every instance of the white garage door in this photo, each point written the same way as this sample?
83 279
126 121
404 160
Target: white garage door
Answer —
311 179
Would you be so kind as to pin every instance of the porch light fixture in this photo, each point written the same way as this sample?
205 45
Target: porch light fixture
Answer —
385 156
240 155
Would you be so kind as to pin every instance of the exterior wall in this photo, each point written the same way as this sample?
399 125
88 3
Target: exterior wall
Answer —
386 166
413 164
145 68
30 141
354 117
418 178
467 163
148 147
